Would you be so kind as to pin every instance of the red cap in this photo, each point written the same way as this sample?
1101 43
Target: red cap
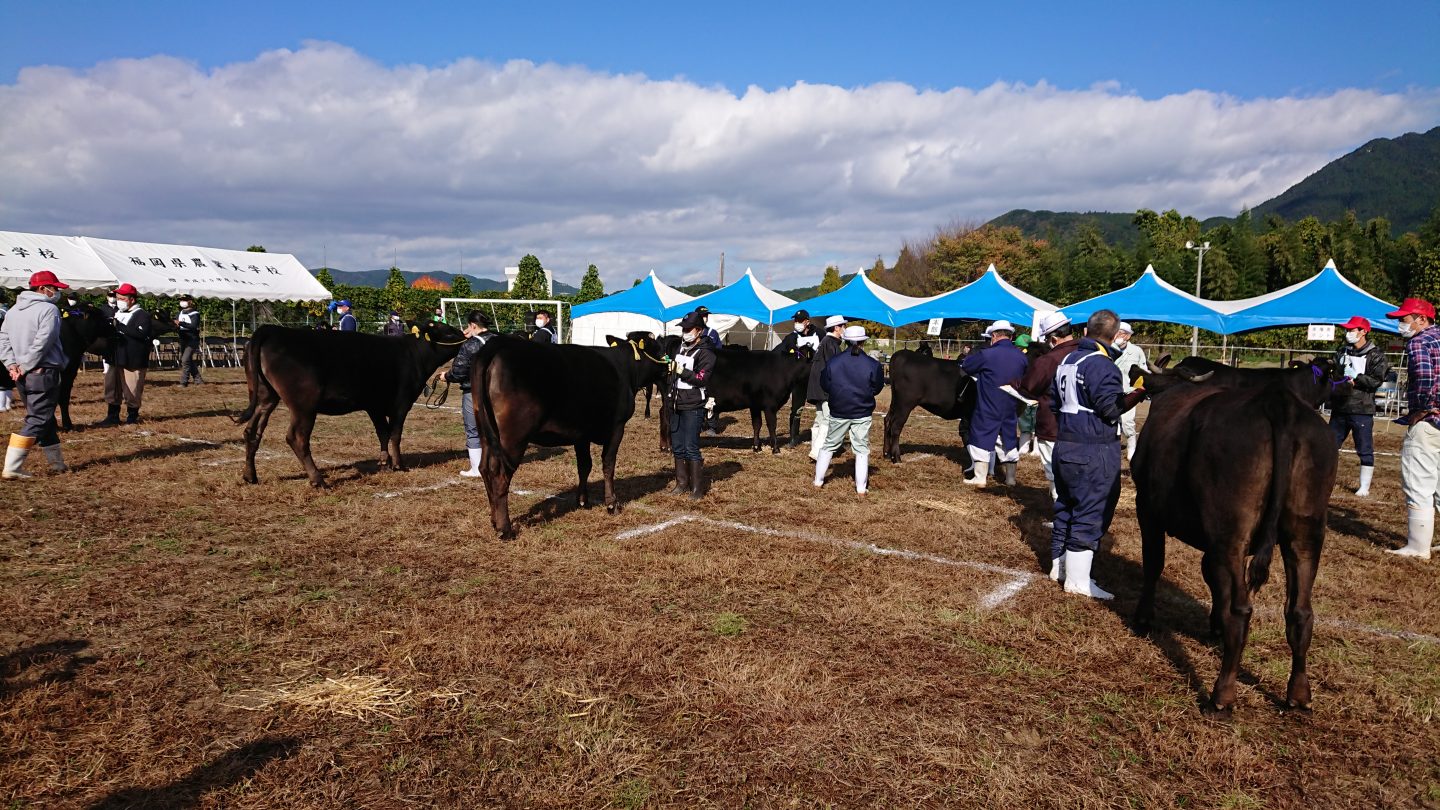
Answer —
126 289
1413 306
45 278
1357 322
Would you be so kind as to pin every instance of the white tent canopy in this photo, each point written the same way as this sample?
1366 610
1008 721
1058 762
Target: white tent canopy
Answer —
159 269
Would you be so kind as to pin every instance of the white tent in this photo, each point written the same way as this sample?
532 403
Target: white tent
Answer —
24 254
157 269
638 309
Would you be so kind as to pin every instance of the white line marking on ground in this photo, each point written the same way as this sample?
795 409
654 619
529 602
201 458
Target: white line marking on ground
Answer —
1377 452
1017 582
178 437
915 457
397 493
1403 635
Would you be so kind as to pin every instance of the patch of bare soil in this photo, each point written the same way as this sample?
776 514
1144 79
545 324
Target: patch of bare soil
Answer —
172 637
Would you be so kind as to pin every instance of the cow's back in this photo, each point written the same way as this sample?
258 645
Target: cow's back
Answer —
927 382
745 378
339 372
564 389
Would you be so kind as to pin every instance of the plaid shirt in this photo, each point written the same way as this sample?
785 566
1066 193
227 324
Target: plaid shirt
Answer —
1423 360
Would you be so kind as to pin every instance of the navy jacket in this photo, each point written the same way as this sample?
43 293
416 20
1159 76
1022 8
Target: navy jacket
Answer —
829 347
347 323
852 381
130 347
1087 395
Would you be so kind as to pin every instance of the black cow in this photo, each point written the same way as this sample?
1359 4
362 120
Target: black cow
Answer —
759 381
1234 465
556 395
939 386
326 372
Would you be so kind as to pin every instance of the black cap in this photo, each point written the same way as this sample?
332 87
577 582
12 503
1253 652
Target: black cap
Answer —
692 321
702 310
800 315
478 318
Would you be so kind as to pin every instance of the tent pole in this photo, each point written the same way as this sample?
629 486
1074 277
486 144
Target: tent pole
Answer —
234 329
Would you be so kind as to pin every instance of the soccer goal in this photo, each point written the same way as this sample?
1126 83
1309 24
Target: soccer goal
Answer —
491 305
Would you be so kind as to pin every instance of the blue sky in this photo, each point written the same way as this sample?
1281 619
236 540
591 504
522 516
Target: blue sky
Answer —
649 135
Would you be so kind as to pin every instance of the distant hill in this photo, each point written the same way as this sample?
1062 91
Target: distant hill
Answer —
802 293
377 278
1394 178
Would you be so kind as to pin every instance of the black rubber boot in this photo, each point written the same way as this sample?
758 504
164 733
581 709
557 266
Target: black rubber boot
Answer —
794 430
112 417
682 477
697 479
1008 468
132 416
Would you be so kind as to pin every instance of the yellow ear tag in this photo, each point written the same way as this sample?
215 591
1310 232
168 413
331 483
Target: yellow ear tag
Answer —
415 331
427 335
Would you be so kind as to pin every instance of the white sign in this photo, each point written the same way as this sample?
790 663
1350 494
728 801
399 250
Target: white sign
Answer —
935 324
1322 331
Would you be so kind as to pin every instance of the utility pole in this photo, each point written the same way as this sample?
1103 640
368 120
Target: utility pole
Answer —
1199 268
722 268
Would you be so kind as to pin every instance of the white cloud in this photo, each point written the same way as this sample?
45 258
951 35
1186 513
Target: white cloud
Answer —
329 155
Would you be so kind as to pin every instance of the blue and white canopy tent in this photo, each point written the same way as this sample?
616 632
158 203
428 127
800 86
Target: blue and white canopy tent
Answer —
1326 298
861 299
989 297
1152 298
746 298
640 308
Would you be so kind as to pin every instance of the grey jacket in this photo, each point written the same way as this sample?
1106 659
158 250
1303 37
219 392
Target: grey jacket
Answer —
30 336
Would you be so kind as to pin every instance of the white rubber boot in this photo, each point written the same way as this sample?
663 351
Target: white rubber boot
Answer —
15 456
817 440
822 466
1366 473
475 454
6 397
862 473
57 461
1130 446
1057 568
1077 575
982 469
1422 532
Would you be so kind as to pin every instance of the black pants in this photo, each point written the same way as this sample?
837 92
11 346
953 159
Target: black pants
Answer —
41 390
1362 425
685 433
189 360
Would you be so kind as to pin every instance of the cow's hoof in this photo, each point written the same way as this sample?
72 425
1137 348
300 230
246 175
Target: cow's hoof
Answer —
507 537
250 479
319 485
774 451
612 508
755 449
1298 709
1214 712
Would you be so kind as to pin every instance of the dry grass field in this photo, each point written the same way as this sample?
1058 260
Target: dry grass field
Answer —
170 637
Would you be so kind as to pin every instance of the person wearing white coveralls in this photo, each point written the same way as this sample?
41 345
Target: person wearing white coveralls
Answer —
830 345
1130 357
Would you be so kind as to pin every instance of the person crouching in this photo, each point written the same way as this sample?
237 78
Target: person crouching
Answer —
690 371
851 379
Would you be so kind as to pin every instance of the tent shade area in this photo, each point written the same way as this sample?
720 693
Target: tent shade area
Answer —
989 297
746 297
1152 298
1327 297
159 269
640 308
862 299
24 254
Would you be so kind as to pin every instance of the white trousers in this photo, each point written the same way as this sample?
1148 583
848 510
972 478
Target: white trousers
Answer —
1420 466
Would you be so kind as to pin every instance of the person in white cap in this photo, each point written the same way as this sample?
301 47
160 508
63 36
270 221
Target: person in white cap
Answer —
1131 356
830 345
1000 363
1056 330
851 380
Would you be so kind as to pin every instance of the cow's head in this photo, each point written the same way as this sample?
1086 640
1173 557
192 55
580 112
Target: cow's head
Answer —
649 358
1321 378
436 332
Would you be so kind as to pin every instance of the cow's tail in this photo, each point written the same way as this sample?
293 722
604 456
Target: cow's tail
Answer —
484 411
1283 453
252 380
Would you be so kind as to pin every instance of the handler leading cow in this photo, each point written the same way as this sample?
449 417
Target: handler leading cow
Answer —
1000 363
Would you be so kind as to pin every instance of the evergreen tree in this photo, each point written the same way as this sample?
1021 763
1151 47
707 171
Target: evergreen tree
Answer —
395 289
530 282
831 282
255 249
591 287
460 287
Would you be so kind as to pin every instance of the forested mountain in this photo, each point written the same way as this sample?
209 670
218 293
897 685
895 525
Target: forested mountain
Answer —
377 278
1062 226
1397 179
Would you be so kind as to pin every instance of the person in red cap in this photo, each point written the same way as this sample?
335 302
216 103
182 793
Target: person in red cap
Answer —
128 357
1364 363
31 352
1420 454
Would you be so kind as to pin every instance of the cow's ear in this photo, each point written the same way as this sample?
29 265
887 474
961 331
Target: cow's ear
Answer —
613 341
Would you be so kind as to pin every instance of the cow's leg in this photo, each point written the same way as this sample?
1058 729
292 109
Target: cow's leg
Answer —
397 429
1302 558
1152 552
771 415
755 428
894 424
255 430
797 402
649 395
1234 595
583 464
67 384
382 434
302 423
607 464
666 414
497 490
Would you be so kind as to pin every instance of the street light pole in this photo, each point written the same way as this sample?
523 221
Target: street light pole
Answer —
1199 268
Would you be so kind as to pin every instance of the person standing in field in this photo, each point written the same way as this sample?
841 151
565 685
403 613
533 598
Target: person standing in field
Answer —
31 353
830 345
1131 356
690 372
1420 454
997 364
347 319
128 356
187 326
477 334
851 380
1364 363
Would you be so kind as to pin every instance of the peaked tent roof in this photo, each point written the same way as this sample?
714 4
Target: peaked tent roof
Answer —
1152 298
863 299
1327 297
650 297
989 297
24 254
746 297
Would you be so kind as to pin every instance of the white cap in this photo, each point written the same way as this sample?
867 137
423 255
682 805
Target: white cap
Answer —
1053 321
855 333
1126 328
999 326
834 321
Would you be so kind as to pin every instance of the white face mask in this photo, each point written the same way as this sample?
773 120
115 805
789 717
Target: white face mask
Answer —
184 304
395 318
539 322
1407 329
799 327
1121 343
122 306
1353 336
691 337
